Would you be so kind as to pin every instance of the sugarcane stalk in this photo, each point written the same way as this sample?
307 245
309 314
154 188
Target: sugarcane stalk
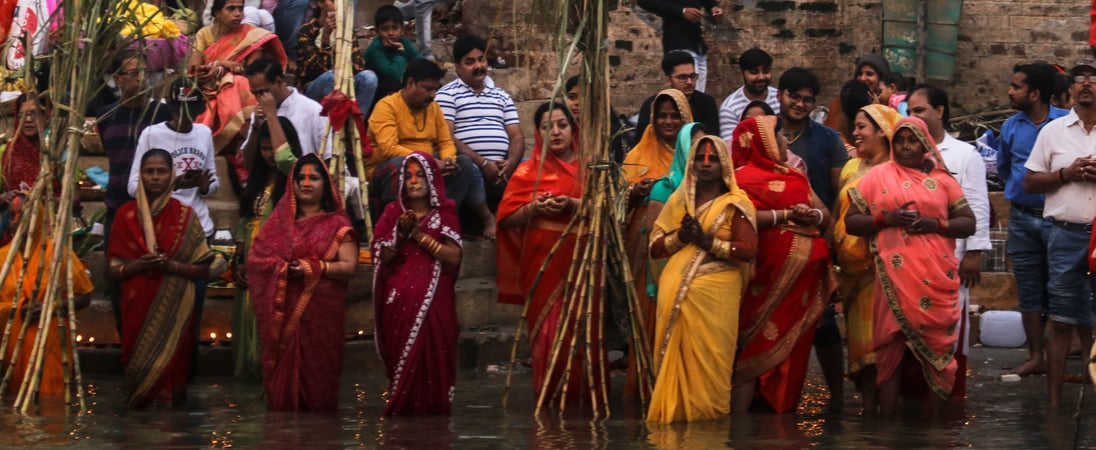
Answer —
76 370
62 335
565 313
26 323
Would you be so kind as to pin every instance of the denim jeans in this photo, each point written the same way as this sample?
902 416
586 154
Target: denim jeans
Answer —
423 12
461 187
288 17
1069 287
1028 236
365 86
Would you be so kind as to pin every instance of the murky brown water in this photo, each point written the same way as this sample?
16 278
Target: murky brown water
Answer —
222 413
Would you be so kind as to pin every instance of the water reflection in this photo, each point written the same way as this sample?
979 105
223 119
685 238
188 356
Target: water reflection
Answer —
224 414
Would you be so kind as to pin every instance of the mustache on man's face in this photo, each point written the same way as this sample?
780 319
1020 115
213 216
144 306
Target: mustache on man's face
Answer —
479 71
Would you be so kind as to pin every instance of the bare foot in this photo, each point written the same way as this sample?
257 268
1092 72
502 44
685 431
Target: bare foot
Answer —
1034 366
489 229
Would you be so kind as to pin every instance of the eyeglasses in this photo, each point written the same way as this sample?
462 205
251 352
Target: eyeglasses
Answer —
687 77
130 73
796 98
1082 78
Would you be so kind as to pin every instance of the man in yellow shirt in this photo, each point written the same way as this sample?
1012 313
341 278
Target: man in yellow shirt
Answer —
410 121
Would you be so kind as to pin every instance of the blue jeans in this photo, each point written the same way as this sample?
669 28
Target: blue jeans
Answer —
1069 287
288 17
1028 236
365 86
461 186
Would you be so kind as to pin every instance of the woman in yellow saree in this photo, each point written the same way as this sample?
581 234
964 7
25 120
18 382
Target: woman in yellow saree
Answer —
707 231
221 52
872 130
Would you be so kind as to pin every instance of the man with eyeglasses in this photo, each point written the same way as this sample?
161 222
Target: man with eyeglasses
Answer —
757 77
119 125
681 75
824 154
819 146
681 29
1062 165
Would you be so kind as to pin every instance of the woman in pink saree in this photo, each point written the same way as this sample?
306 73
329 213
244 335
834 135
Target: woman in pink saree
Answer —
298 267
221 52
912 210
416 258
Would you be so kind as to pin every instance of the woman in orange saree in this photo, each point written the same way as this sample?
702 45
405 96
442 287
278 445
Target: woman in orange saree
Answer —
650 160
873 127
298 269
157 283
912 210
29 302
540 199
792 278
221 52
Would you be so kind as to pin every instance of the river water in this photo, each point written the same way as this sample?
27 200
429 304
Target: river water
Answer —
222 413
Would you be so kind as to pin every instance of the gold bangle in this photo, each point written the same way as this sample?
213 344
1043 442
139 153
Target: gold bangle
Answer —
122 271
719 249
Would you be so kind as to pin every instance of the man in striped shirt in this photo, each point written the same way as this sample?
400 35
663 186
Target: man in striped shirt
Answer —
757 77
483 121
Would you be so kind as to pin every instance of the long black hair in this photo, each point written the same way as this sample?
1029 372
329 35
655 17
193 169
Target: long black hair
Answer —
327 202
259 171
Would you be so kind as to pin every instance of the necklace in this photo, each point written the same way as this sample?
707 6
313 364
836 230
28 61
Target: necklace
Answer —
415 118
792 138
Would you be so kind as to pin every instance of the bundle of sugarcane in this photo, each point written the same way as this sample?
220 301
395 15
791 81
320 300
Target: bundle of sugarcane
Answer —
89 30
599 264
346 134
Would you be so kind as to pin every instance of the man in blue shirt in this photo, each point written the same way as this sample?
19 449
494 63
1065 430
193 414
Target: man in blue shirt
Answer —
1029 92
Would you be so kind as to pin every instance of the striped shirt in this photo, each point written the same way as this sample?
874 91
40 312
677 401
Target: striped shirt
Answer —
731 110
479 120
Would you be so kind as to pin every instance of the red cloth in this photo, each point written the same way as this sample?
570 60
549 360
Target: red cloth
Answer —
787 294
339 108
415 306
522 250
140 291
21 164
300 321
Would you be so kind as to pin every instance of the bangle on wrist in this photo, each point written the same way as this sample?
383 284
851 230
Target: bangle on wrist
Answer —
1062 176
880 221
942 226
821 217
483 164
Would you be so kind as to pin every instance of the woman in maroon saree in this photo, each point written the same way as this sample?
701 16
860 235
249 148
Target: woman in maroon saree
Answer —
298 267
416 258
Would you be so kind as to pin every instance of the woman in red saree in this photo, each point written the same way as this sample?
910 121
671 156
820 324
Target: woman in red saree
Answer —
540 199
221 52
22 160
298 269
792 280
157 283
416 258
913 210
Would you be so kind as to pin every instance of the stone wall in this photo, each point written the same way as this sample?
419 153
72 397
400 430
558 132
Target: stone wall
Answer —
823 35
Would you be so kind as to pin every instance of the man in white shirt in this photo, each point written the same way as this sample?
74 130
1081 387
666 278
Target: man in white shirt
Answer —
1063 166
191 147
266 75
757 77
930 104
